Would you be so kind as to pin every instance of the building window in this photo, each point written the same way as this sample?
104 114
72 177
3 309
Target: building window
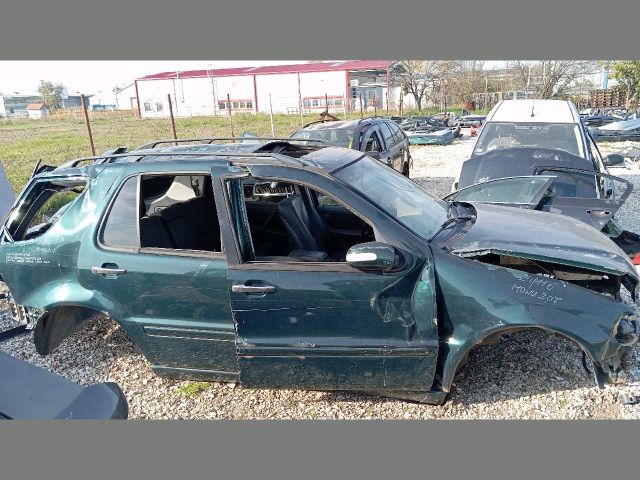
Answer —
236 105
148 107
159 106
322 102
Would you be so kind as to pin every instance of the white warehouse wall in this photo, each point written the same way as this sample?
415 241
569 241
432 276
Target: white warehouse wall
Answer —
283 89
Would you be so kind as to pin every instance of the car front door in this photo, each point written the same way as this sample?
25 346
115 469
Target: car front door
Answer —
393 148
325 325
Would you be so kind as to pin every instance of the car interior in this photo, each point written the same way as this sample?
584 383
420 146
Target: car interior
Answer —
179 212
287 222
293 223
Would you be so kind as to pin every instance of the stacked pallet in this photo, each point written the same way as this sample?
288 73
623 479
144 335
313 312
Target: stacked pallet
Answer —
607 98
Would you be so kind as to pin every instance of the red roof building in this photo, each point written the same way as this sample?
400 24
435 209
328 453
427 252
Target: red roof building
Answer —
337 86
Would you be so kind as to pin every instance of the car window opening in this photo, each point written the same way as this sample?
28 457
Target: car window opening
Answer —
173 212
45 203
289 222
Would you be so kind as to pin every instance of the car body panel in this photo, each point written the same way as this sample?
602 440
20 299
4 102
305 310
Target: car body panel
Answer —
495 299
541 236
30 392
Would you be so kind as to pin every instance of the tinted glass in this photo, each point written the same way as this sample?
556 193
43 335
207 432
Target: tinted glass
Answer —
120 228
342 137
387 134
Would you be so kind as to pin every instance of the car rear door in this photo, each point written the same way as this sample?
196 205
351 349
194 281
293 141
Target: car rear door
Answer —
324 325
172 303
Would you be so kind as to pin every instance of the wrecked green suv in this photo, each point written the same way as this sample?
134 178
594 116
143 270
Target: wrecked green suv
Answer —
312 267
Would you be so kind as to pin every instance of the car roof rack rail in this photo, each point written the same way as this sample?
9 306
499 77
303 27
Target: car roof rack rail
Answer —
112 158
209 141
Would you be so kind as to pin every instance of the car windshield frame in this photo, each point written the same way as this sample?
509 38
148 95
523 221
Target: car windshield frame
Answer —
490 133
366 175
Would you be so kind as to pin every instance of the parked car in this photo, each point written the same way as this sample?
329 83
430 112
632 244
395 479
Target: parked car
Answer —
539 123
28 392
617 131
379 138
598 120
314 267
549 180
469 121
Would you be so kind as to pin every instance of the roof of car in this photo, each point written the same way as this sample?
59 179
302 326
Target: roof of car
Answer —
325 157
534 111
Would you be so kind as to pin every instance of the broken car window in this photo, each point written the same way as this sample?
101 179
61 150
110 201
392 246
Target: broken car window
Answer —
43 206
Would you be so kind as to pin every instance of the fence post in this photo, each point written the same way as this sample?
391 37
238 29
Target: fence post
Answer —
273 128
344 106
173 121
230 116
86 121
361 114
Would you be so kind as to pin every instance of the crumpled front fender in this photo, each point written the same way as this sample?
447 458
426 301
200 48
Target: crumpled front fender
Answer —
480 300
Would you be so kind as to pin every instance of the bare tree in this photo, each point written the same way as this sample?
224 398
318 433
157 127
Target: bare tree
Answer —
419 78
553 78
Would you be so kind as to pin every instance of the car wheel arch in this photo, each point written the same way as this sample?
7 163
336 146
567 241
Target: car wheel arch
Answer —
451 366
60 322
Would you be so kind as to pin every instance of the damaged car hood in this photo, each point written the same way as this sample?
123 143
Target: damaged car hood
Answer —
541 236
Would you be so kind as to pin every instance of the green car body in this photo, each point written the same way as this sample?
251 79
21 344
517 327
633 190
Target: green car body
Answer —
399 322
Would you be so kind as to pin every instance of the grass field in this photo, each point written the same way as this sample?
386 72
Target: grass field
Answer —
63 137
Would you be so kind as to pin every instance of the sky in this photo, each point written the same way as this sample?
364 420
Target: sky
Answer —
92 77
96 77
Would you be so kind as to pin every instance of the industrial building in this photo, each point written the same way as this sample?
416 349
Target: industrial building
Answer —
310 87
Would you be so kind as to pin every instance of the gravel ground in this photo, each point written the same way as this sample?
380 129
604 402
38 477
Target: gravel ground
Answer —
525 375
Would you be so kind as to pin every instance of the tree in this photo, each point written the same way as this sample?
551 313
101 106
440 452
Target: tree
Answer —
51 94
553 78
419 79
628 74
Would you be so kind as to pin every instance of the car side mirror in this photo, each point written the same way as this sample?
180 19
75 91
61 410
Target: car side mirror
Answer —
374 154
374 257
613 160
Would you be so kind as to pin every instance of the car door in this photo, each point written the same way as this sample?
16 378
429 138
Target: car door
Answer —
172 303
393 148
373 145
523 192
576 193
325 325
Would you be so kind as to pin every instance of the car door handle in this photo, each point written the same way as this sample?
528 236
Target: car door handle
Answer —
108 271
598 213
255 289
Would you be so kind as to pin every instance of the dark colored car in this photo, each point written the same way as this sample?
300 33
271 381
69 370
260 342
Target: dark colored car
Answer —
378 137
549 180
468 121
30 392
315 267
598 120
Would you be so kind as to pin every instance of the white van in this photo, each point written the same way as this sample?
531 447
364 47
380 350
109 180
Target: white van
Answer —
538 123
